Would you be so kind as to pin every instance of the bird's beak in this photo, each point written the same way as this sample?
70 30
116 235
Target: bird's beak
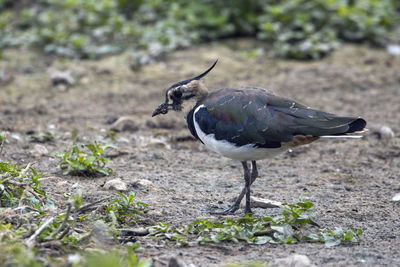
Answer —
161 109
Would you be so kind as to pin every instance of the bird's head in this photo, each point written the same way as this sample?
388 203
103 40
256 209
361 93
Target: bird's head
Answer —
181 91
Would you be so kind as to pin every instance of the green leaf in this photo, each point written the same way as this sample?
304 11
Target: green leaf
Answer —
262 240
306 205
145 263
91 147
331 242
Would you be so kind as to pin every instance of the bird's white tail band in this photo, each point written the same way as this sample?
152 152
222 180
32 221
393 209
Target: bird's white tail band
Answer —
342 136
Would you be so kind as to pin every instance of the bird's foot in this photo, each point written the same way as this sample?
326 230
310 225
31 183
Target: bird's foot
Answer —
231 210
248 211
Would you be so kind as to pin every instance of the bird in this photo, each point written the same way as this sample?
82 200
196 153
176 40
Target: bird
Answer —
250 124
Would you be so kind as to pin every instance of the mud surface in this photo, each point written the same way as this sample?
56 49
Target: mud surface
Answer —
351 182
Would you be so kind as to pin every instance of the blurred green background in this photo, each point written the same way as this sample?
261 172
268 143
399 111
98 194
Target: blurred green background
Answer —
300 29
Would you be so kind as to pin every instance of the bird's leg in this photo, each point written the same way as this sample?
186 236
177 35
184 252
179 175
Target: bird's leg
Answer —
236 204
247 179
254 171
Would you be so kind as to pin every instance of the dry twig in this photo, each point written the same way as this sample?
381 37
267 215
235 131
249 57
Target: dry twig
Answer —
64 223
31 241
89 205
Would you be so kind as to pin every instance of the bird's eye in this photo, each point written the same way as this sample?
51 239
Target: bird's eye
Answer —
177 94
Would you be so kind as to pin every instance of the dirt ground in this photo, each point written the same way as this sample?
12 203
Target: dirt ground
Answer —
350 182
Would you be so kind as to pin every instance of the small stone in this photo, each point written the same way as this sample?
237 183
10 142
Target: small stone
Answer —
111 119
101 234
393 49
154 213
16 137
123 140
135 231
103 71
396 197
30 132
383 132
155 49
39 150
62 184
151 142
124 124
176 262
116 184
74 259
158 156
144 183
58 77
386 132
294 260
61 87
156 143
164 123
5 78
262 203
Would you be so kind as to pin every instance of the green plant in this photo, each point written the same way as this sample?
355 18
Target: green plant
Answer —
300 29
18 188
67 227
77 162
288 228
178 235
335 237
305 29
14 253
114 258
3 139
124 209
43 137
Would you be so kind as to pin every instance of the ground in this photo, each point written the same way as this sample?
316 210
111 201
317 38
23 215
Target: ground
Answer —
350 182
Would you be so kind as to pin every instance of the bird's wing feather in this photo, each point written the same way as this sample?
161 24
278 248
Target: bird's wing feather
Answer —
253 116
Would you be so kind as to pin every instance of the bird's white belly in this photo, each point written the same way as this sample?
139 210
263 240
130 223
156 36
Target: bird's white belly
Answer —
230 150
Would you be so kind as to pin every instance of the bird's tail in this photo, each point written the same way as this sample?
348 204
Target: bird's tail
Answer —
355 128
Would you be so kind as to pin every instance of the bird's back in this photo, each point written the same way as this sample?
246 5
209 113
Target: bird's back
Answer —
253 116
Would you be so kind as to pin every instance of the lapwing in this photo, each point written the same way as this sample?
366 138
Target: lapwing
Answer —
251 123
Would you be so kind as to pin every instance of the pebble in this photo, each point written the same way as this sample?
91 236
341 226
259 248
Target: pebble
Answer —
116 184
261 203
294 260
39 150
111 119
16 137
393 49
144 183
125 124
101 234
383 132
123 140
74 259
58 77
176 262
165 123
264 203
62 184
155 143
396 197
386 132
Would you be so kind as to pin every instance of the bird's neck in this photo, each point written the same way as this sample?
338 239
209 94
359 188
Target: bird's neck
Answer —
199 90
